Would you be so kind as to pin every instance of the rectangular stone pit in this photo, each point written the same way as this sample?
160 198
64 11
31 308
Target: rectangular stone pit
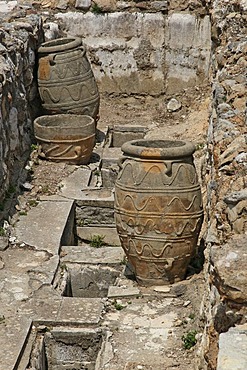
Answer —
87 272
67 348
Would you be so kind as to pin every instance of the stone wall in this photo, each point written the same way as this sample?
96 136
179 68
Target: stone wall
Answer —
226 178
19 38
148 47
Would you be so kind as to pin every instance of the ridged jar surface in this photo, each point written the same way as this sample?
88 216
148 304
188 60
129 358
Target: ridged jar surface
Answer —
158 212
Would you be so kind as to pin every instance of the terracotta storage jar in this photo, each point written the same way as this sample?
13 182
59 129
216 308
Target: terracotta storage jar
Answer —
158 208
65 79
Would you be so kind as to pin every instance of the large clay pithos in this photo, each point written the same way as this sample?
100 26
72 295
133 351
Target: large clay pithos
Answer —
68 138
65 79
158 208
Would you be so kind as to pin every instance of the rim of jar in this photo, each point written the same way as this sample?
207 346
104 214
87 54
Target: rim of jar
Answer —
158 149
60 44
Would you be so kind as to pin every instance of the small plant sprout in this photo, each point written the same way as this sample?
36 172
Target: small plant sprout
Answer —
96 9
34 147
189 339
2 231
97 241
44 189
33 203
124 261
23 213
118 305
80 223
192 316
96 173
199 146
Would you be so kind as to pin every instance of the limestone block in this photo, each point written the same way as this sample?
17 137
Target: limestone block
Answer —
92 256
188 41
236 210
233 349
50 221
237 146
185 30
7 6
230 271
159 5
80 311
62 4
83 4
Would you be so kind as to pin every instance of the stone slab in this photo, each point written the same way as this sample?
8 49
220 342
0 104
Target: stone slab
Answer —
88 255
31 269
95 197
44 225
54 197
45 272
110 156
121 292
71 186
63 311
233 349
109 233
80 311
41 311
14 331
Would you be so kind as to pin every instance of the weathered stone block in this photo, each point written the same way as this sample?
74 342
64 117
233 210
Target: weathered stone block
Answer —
188 42
83 4
233 349
230 271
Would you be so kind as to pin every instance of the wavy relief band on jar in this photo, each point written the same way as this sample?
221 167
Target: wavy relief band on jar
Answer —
151 267
65 78
158 208
175 225
72 151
